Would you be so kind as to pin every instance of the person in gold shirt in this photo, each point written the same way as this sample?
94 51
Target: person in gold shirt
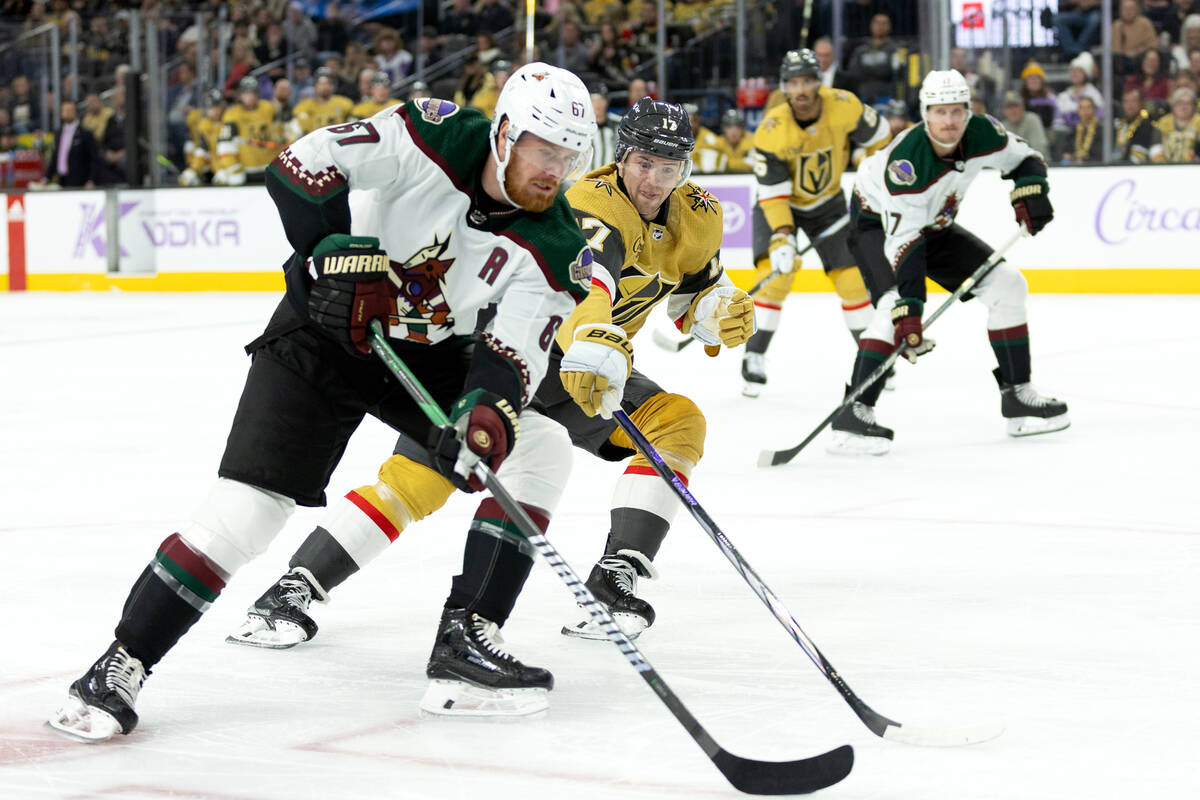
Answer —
800 149
708 153
379 99
485 98
204 129
324 108
736 146
248 138
1180 130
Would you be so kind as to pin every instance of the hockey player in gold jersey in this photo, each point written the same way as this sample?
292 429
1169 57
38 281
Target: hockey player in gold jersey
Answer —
204 134
801 148
379 98
248 136
324 108
707 156
737 147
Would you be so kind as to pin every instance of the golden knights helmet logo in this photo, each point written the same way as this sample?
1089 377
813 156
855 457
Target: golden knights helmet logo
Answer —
814 171
421 302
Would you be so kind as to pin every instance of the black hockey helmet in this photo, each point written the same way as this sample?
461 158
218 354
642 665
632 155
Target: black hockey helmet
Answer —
658 128
214 97
897 108
733 118
797 63
248 84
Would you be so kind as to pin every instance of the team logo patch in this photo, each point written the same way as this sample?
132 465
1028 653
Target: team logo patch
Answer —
702 200
815 171
540 76
657 233
580 269
947 213
996 124
421 305
434 111
902 172
870 116
600 183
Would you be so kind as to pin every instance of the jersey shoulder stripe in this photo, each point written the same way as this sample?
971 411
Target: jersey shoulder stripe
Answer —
557 245
454 138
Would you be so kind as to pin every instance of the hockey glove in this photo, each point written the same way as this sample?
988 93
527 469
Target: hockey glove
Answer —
906 321
782 252
1032 206
483 426
720 315
595 367
353 286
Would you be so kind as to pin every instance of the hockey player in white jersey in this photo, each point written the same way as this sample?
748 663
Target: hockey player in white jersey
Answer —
903 230
419 217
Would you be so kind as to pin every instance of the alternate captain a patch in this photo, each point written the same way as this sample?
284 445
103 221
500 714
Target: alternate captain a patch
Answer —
434 111
902 172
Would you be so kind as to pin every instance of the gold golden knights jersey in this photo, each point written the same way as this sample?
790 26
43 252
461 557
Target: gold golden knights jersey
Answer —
248 137
369 108
1179 146
639 263
312 113
706 155
801 167
202 147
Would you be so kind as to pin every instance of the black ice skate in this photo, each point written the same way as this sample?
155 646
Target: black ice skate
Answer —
614 583
754 373
279 619
855 432
1029 413
470 673
100 704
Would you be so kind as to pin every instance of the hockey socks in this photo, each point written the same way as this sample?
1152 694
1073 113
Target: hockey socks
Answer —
496 562
871 353
1011 346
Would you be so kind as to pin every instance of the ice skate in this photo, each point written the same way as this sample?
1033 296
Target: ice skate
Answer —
279 619
100 704
470 673
855 432
1028 412
754 373
613 582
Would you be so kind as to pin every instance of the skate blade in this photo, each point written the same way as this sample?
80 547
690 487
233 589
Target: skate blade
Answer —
630 624
1032 426
851 444
83 723
257 632
752 389
445 698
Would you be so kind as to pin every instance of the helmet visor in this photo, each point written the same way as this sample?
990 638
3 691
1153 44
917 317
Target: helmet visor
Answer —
561 162
657 171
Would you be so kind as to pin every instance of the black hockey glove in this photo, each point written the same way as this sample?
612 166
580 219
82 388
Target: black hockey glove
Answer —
353 286
1031 204
906 322
484 427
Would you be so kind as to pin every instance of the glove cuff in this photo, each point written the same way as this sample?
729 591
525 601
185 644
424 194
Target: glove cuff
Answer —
907 307
1028 190
461 410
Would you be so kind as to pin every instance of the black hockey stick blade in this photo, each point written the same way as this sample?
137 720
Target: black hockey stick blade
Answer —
804 776
667 343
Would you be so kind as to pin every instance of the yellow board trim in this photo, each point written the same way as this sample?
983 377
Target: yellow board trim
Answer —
1047 281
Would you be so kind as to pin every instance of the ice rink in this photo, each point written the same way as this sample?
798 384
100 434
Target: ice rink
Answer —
1051 583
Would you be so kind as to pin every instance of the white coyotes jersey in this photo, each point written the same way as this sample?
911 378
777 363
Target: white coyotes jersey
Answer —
915 191
409 170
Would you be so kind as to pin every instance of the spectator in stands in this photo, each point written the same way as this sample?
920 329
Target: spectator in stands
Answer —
363 84
738 146
485 49
333 31
95 115
76 157
1157 12
981 87
1194 63
241 61
281 96
638 88
112 144
706 155
1078 26
428 47
1180 130
1024 124
343 84
572 53
355 59
831 74
24 110
642 34
604 141
1150 78
876 65
272 46
460 20
608 55
1038 97
1132 34
494 16
1083 143
494 80
100 49
299 30
181 99
474 76
1188 40
1137 140
303 82
1066 112
390 58
379 98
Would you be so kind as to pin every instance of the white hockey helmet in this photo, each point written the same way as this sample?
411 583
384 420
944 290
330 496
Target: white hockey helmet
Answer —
550 103
944 86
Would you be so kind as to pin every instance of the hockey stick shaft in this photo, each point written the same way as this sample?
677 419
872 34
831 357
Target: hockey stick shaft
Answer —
675 346
877 723
747 775
771 458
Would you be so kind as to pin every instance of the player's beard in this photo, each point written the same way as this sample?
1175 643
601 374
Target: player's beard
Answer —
528 199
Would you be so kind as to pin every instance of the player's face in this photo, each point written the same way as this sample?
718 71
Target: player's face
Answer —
802 95
947 122
380 91
650 179
324 87
1131 104
248 99
536 170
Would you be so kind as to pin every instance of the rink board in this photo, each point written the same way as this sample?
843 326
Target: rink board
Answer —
1116 229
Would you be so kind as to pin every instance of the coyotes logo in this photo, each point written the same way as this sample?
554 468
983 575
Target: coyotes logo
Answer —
421 307
949 210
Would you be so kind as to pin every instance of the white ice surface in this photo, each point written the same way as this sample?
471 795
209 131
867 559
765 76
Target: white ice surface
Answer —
1051 583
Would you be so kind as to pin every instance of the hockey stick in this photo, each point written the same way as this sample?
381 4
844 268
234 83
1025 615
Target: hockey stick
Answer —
771 458
675 345
807 21
747 775
880 725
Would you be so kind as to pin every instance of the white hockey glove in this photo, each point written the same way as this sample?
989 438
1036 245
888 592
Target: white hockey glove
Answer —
782 252
720 315
595 367
189 178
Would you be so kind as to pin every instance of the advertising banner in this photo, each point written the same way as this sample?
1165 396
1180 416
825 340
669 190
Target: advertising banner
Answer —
65 232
